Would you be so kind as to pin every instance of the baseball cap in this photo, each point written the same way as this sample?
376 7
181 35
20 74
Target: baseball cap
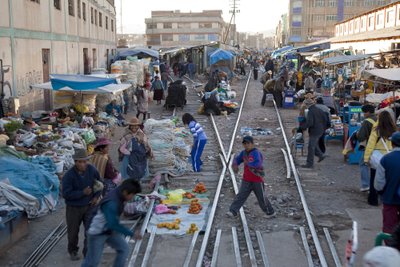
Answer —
395 138
247 139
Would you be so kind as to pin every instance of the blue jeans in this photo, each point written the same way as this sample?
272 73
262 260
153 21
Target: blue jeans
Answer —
364 169
96 246
197 150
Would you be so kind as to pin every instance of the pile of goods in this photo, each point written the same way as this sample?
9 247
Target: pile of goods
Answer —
171 146
170 225
195 207
193 229
200 188
189 195
134 70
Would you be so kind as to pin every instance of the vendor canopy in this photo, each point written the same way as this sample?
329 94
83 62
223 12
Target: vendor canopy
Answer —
220 55
139 52
345 59
79 82
387 74
281 50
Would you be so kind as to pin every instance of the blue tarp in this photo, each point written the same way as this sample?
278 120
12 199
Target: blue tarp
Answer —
79 82
219 55
281 50
310 48
140 52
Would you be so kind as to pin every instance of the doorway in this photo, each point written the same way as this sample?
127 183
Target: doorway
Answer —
46 78
94 66
86 63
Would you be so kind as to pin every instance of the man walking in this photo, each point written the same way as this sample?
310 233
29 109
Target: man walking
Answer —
316 123
106 226
279 88
242 66
253 179
81 189
362 137
387 183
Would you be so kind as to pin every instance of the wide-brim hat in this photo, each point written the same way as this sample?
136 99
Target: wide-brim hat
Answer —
133 122
103 142
81 154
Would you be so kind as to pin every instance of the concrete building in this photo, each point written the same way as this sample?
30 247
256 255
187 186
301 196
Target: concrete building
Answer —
39 37
175 28
370 32
314 20
281 33
131 40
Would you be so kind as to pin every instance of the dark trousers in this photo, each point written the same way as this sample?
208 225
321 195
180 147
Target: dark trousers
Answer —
373 194
391 218
255 73
242 71
264 98
321 144
75 216
313 149
278 98
245 189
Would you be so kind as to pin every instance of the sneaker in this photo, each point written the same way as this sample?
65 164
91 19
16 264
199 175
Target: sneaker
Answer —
270 215
321 158
230 214
74 256
364 189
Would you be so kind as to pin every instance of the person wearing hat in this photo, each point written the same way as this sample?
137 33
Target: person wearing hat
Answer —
158 89
101 160
81 196
134 150
387 183
253 179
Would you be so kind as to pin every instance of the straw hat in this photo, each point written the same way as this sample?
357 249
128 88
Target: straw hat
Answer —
81 154
134 122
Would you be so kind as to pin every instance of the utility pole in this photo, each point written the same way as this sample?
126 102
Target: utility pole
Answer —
234 8
122 27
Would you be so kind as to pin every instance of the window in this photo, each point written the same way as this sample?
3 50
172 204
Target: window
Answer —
95 17
112 25
331 17
182 25
167 25
100 19
296 32
78 8
71 8
36 1
167 37
84 11
213 37
318 17
297 18
94 52
91 15
297 4
350 26
203 25
362 23
348 3
356 25
379 19
106 23
200 37
57 4
154 39
381 2
369 2
319 3
370 21
332 3
151 26
390 16
395 46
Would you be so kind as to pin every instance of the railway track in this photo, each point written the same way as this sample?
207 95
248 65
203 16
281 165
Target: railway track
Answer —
226 241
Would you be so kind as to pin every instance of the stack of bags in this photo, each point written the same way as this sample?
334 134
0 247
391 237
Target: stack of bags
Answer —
134 71
170 146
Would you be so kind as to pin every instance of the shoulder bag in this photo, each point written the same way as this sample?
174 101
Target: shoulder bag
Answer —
377 155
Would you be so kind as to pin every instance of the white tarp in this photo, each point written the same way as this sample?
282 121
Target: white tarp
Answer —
109 89
345 59
387 74
378 98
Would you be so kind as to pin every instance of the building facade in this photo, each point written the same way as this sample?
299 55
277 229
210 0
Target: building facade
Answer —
40 37
314 20
131 40
370 32
175 28
281 32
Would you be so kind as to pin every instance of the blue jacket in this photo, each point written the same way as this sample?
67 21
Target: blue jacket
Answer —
110 107
387 178
73 185
197 131
107 218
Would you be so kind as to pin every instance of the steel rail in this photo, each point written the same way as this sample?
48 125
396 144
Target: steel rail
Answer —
246 230
310 222
219 139
146 256
191 248
288 171
332 248
263 251
214 259
138 243
306 247
236 247
210 221
239 115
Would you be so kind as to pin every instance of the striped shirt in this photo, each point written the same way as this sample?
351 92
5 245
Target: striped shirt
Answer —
197 131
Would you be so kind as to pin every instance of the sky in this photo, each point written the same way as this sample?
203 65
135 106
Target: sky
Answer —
256 16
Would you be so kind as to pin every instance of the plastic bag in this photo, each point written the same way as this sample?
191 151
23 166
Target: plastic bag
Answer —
176 196
89 136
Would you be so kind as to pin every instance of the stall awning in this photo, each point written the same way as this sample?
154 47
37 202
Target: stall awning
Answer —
140 52
387 74
345 59
314 47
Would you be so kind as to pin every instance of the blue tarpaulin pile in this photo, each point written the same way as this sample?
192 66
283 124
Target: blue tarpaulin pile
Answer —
35 177
220 55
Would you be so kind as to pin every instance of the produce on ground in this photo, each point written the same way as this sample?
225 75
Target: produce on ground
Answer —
170 225
200 188
193 229
195 207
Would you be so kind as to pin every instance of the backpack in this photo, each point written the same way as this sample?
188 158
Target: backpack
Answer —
137 161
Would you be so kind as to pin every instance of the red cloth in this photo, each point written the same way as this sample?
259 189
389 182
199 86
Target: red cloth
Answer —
391 218
250 176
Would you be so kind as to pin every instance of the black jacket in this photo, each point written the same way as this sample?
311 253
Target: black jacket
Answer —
316 121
